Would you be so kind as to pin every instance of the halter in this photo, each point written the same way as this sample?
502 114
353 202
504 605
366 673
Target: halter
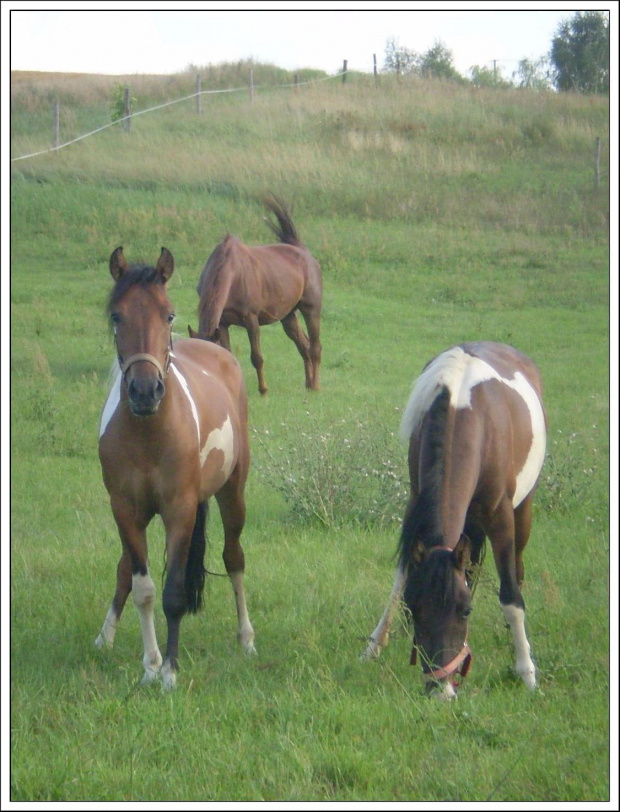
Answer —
459 664
145 356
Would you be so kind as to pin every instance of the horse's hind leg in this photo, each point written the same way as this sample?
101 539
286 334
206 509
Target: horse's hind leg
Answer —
105 639
252 326
293 330
379 638
507 556
312 317
231 503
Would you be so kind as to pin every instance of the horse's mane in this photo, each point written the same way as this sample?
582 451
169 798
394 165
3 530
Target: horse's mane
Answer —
284 230
142 275
421 524
435 576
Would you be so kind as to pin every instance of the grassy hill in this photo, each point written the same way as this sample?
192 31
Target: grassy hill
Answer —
439 213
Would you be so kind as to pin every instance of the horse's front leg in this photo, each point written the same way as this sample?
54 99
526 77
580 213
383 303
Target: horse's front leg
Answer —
379 638
185 548
502 536
133 575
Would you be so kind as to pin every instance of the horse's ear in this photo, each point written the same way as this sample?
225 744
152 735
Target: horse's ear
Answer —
462 553
165 265
192 333
118 263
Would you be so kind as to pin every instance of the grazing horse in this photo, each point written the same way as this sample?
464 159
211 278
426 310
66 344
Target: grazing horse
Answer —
173 433
250 286
477 435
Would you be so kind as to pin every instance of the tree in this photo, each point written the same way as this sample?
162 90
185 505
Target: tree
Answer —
487 77
437 61
533 75
580 53
398 59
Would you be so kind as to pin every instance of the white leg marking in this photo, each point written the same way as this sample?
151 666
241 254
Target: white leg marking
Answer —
524 665
379 638
143 590
223 440
111 403
245 632
105 639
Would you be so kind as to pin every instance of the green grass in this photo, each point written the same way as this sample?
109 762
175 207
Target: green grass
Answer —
481 224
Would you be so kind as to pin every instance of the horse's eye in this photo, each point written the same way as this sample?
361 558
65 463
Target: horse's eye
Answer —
171 318
115 318
466 612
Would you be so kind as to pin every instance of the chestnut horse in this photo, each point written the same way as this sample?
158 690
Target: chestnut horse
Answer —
477 436
173 433
250 286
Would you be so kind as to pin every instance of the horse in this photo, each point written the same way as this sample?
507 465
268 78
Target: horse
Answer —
476 428
173 433
250 286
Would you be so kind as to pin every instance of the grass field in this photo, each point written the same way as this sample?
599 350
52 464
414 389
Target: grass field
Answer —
439 214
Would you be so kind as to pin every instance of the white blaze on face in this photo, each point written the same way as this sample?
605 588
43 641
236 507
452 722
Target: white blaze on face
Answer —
460 373
111 403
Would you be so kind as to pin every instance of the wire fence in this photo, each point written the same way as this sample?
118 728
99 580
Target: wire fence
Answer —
198 94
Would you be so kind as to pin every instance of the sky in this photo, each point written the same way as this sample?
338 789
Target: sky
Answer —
120 38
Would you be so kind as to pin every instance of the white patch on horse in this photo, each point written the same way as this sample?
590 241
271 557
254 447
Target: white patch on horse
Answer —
192 404
460 373
221 439
114 397
143 590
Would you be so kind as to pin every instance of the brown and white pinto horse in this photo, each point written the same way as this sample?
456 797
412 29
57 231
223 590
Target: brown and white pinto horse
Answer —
173 433
250 286
477 436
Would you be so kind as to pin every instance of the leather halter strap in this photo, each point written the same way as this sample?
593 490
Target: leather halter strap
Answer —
142 356
459 665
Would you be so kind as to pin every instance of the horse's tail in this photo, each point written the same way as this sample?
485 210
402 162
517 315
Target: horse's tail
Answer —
284 230
195 570
213 288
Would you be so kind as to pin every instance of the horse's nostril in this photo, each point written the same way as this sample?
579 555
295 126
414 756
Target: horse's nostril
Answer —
160 390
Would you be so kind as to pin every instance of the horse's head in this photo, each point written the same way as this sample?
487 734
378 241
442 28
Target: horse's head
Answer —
439 600
214 337
141 317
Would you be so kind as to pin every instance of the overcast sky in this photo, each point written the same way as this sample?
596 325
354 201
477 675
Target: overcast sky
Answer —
101 38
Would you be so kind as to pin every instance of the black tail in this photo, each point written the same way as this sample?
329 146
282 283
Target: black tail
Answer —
285 231
195 570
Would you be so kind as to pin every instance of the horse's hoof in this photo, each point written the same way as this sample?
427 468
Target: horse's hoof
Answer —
529 678
373 650
101 642
150 675
168 677
249 650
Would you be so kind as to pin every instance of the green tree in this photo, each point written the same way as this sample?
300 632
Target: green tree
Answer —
580 53
482 76
534 75
400 60
437 61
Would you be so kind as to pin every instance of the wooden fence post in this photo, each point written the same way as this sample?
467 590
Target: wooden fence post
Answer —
251 84
127 111
597 163
344 70
374 65
198 96
56 125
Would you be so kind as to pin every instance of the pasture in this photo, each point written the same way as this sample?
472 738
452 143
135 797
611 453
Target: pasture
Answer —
439 214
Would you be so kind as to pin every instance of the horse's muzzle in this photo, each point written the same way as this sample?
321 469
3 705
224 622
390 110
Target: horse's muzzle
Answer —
145 396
